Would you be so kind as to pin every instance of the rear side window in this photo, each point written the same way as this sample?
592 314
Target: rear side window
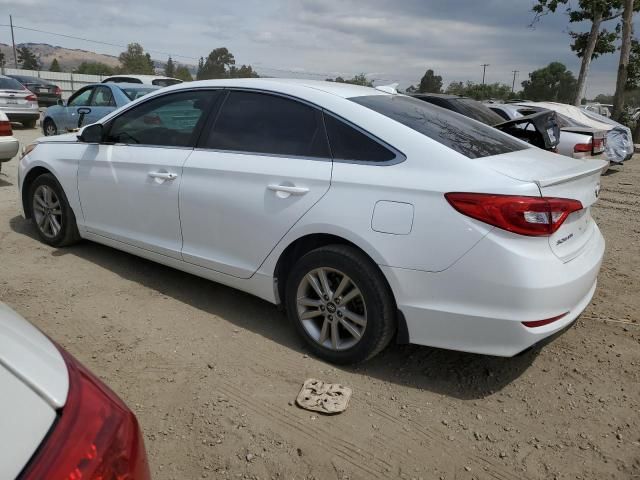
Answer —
347 143
500 112
468 137
477 111
268 124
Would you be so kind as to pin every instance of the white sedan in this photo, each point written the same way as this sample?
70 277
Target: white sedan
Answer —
58 420
369 215
9 144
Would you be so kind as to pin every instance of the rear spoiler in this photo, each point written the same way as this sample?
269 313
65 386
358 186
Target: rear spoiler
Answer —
545 133
588 167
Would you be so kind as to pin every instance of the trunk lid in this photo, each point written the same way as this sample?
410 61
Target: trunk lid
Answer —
14 98
561 177
539 129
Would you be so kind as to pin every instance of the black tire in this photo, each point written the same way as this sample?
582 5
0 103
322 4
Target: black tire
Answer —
68 231
376 297
29 123
49 127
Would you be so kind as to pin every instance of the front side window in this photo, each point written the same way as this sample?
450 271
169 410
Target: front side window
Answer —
81 99
268 124
457 132
170 120
347 143
103 97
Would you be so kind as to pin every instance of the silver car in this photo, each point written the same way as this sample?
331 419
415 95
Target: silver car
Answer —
18 103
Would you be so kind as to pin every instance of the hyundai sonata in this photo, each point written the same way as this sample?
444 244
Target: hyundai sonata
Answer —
365 213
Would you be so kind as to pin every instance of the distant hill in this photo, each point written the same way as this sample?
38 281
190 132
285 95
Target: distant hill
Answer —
67 58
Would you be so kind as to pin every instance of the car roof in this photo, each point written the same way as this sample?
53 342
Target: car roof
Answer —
142 77
285 85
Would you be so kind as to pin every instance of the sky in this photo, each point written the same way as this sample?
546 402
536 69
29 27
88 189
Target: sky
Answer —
389 41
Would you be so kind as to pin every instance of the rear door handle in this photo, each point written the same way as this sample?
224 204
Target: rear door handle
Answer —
291 190
163 175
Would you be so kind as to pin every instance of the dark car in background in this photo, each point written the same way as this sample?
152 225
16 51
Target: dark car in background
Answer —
540 129
48 93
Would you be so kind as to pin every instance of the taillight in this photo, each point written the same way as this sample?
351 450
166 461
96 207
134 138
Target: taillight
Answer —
598 145
31 98
57 90
582 148
96 437
540 323
5 128
531 216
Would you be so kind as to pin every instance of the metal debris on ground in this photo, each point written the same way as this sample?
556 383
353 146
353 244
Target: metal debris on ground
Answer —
318 396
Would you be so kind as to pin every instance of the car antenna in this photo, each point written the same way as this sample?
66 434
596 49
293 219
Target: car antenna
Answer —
391 88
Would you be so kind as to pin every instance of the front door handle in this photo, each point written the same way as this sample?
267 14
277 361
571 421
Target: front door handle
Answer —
291 190
163 175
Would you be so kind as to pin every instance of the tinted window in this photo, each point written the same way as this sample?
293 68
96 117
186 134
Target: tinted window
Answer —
500 112
10 84
81 98
136 92
347 143
122 80
169 120
470 138
477 111
103 97
261 123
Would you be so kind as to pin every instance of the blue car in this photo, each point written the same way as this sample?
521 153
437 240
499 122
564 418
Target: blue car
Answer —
90 104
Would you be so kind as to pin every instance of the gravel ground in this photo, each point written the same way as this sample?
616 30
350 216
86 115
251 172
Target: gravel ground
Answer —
212 373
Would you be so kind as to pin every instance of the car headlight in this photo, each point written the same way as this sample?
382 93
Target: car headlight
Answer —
27 150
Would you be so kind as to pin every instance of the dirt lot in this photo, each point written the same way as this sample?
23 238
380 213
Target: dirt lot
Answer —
212 372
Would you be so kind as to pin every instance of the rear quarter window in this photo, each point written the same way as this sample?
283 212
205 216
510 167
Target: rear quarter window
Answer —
457 132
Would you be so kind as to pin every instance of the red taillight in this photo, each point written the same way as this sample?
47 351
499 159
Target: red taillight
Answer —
532 216
598 145
31 98
540 323
57 90
5 128
582 148
96 437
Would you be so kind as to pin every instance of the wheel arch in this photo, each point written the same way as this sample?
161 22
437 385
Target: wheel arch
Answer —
30 177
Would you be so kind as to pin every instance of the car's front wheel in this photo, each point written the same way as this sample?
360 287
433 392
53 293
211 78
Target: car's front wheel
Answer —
51 213
50 128
340 304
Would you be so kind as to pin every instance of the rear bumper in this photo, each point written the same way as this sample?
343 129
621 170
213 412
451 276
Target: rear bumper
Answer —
478 305
24 116
8 148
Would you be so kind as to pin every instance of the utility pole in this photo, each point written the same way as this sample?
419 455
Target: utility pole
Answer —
484 71
513 85
13 41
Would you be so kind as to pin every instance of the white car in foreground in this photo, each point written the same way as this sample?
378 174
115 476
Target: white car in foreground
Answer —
58 420
9 144
367 214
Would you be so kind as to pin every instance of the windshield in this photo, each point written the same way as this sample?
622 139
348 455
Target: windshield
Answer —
10 84
134 92
478 111
468 137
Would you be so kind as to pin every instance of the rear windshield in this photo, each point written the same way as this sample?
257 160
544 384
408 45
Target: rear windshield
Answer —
133 93
10 84
165 82
478 111
468 137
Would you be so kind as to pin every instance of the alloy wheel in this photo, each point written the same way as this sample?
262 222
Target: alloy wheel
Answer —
47 211
331 308
50 129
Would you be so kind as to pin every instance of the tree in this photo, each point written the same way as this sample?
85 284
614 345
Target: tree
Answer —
2 60
55 66
359 79
586 45
551 83
27 59
603 98
245 71
625 51
216 65
94 68
134 60
183 73
430 83
497 91
200 68
170 68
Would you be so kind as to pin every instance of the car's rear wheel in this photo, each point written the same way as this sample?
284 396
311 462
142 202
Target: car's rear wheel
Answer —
29 123
51 213
340 304
50 128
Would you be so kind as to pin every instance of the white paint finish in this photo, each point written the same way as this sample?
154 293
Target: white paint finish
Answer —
232 217
121 200
25 419
29 355
392 217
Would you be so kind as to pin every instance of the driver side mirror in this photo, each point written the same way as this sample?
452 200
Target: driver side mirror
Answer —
60 102
91 133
